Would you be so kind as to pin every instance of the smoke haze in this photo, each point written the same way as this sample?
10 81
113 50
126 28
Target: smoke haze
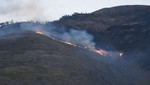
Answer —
78 37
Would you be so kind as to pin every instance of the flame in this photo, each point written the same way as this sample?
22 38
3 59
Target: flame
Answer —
107 53
121 54
101 51
69 43
39 32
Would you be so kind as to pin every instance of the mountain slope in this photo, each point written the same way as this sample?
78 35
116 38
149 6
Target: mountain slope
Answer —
33 59
114 26
124 28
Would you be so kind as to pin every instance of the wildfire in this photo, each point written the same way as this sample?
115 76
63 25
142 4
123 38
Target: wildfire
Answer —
101 52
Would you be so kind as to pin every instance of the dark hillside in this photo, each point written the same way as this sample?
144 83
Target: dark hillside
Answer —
33 59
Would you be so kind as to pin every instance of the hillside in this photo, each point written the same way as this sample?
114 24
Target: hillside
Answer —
117 26
27 58
33 59
124 28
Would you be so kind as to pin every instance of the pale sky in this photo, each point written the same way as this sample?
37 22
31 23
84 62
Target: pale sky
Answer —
22 10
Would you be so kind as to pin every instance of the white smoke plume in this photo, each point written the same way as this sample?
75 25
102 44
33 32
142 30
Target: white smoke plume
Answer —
79 37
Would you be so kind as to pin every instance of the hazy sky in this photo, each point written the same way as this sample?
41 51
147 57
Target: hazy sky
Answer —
22 10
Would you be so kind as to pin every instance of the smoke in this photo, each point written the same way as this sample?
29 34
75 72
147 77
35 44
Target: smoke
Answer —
78 37
23 10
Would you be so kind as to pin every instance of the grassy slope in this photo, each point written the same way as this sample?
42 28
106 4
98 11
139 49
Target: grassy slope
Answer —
33 59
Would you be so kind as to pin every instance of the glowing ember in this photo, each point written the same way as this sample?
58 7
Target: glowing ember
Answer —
121 54
69 43
39 32
85 47
101 52
107 53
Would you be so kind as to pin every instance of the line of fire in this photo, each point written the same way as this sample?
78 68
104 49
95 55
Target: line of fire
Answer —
101 51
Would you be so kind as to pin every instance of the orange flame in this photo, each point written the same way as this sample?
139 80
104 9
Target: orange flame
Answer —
69 43
39 32
107 53
121 54
101 52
